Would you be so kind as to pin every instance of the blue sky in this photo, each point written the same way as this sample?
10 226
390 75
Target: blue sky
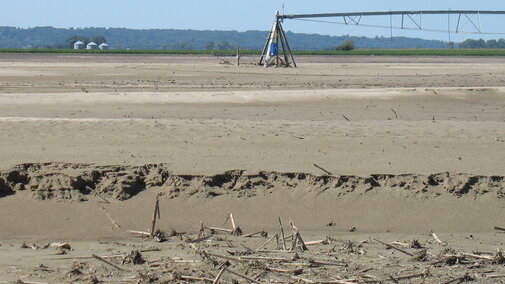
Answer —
239 15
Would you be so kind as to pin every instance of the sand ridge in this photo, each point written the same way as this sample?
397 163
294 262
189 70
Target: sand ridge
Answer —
250 97
74 181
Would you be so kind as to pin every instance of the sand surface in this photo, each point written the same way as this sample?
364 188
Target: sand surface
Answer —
393 148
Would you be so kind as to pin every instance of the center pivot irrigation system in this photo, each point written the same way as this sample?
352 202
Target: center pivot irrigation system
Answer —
277 51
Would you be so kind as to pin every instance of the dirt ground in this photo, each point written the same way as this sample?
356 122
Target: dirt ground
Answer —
369 155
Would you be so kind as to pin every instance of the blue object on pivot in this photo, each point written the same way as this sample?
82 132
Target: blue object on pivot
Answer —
274 49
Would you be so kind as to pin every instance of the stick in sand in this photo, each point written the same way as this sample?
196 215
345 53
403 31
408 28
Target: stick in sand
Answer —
201 233
297 238
243 276
491 258
24 282
422 274
495 276
193 278
198 239
437 239
315 165
147 234
267 242
155 214
298 242
288 271
284 247
458 280
263 233
221 229
394 247
110 218
108 262
101 197
396 114
233 222
219 275
236 230
238 55
319 242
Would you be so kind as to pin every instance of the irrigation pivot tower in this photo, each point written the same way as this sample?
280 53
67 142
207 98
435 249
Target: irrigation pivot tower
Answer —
271 54
277 51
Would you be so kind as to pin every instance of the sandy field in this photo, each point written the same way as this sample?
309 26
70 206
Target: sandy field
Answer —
381 170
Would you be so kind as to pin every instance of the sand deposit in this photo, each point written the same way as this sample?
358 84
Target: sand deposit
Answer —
75 181
388 170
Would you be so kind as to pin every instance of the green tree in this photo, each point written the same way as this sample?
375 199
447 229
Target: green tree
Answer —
224 45
210 45
347 45
179 46
493 43
99 39
71 40
472 43
501 43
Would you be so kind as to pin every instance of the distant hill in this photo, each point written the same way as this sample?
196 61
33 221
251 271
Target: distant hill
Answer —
120 38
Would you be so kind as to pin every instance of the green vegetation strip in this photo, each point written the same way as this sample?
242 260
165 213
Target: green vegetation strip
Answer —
410 52
132 51
365 52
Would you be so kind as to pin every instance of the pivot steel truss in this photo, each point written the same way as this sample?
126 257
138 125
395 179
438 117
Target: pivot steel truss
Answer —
410 20
277 51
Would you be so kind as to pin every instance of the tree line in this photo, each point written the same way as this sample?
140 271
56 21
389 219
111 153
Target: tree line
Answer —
121 38
480 43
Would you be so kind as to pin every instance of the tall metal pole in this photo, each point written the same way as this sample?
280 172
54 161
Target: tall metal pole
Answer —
449 26
480 28
289 49
391 25
265 49
457 26
282 40
276 42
